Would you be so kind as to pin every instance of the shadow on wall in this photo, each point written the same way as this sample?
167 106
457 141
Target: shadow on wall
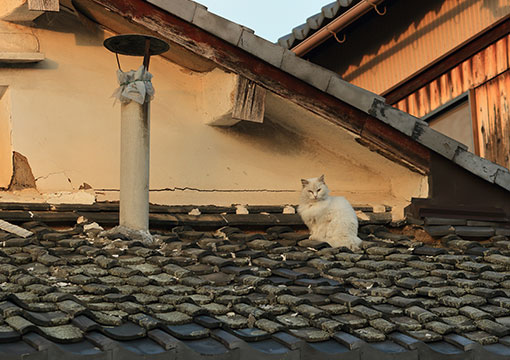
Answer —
46 64
365 38
495 8
267 136
86 32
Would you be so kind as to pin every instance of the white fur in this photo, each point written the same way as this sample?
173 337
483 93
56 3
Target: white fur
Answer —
329 218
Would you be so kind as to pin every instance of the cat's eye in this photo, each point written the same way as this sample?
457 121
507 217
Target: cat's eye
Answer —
310 191
318 190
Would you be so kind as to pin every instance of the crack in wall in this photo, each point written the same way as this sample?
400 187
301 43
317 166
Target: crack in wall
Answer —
187 188
44 177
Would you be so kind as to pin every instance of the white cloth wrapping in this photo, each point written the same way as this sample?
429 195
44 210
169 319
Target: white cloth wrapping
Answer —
134 85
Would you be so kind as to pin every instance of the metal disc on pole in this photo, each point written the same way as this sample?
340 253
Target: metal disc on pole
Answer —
134 45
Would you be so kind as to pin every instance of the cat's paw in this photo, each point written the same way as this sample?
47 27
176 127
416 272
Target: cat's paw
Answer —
355 244
355 248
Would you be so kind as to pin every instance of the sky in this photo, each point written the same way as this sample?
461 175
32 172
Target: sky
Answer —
271 19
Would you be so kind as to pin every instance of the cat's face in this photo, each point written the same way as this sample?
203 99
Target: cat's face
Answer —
314 189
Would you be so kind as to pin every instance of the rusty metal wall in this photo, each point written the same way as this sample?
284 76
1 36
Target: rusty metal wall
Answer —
424 41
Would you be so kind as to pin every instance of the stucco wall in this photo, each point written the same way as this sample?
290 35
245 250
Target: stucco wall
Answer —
65 123
5 138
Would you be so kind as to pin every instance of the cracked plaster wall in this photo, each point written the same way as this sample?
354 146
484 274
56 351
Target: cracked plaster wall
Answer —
5 138
64 122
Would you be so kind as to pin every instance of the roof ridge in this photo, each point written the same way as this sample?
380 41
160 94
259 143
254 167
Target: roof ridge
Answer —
314 23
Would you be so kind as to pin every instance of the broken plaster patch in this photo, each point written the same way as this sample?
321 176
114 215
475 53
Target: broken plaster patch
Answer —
362 216
378 208
53 181
289 209
87 197
241 209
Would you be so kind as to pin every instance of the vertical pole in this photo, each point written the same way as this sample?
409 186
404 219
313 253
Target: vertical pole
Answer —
134 161
134 166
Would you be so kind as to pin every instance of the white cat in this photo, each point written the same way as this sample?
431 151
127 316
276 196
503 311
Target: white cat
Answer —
329 218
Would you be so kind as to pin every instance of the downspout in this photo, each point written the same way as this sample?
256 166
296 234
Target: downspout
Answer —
335 26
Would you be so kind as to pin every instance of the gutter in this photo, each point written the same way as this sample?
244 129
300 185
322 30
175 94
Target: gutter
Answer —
335 26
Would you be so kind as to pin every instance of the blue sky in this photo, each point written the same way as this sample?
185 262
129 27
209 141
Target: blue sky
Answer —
271 19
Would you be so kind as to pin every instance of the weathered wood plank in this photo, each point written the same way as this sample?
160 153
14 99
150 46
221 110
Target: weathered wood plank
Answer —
44 5
249 101
490 62
444 88
474 121
423 101
467 74
491 145
482 117
413 104
435 100
479 69
503 147
402 105
502 55
456 82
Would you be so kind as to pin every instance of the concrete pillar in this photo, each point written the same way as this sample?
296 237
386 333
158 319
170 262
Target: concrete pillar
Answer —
134 165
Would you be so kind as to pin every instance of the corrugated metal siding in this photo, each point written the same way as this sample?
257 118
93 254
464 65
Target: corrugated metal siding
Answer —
420 44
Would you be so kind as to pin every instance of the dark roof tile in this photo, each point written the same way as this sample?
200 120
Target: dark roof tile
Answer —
252 334
62 333
426 335
190 331
482 337
200 286
310 334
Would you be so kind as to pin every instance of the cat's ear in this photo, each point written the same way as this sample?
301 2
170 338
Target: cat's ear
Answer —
304 182
321 178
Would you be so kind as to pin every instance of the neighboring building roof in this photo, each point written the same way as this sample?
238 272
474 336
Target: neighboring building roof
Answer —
248 294
315 22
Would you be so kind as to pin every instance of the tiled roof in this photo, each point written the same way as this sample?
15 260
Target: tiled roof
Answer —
314 23
235 293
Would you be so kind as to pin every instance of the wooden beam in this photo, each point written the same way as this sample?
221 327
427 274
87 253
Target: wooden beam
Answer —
26 10
249 101
447 62
44 5
20 57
